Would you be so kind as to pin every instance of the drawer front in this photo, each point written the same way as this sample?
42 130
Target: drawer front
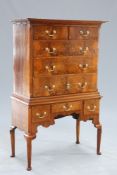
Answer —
65 107
64 48
81 83
47 66
48 85
81 65
82 32
40 113
91 107
64 65
66 84
50 32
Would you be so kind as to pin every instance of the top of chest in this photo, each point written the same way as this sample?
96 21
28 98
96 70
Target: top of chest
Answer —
60 29
36 21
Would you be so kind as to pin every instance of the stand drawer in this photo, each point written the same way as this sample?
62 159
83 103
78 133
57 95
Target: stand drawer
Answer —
65 107
43 48
91 107
40 113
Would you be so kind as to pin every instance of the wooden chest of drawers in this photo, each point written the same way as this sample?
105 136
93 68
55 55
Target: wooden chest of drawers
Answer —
55 75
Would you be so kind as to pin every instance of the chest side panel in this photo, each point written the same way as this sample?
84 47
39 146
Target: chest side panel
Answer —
21 61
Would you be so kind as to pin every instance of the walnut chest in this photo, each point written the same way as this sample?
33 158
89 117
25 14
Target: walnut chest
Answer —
55 75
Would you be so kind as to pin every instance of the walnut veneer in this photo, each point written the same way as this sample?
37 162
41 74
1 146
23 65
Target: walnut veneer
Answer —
55 75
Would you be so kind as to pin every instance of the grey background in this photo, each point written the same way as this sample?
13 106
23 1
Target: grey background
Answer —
54 151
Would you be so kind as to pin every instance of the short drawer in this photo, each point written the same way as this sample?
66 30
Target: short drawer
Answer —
82 32
91 106
49 32
65 107
40 113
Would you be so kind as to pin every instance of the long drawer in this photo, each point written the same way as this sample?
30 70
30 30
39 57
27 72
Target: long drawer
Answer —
64 84
64 48
64 65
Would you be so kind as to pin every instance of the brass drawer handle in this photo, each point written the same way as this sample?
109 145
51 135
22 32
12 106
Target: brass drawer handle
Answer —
38 115
50 68
83 50
50 50
67 107
91 108
68 86
83 85
83 66
51 89
84 33
50 34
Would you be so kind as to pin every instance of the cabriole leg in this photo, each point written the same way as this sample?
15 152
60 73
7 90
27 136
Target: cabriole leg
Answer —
99 134
29 150
77 131
12 135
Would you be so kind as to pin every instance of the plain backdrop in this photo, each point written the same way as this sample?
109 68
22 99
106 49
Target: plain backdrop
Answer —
54 150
